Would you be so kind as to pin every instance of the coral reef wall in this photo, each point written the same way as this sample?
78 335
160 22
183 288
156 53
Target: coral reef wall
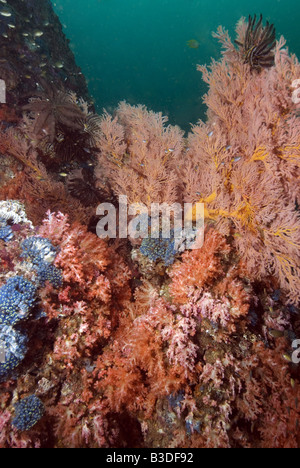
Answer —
140 342
33 45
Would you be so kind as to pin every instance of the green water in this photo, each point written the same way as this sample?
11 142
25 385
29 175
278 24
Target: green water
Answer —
136 49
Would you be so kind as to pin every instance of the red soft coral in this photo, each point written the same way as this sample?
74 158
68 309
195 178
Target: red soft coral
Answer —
198 267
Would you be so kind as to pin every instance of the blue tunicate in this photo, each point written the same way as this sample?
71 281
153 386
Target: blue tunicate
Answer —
37 250
159 249
41 253
6 233
50 273
28 412
17 297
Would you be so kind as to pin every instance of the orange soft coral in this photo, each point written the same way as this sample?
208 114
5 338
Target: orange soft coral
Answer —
134 371
95 288
140 155
198 267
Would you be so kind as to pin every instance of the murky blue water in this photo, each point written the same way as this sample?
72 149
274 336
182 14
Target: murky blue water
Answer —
136 49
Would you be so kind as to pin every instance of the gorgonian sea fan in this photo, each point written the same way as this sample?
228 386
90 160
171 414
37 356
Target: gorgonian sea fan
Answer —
258 44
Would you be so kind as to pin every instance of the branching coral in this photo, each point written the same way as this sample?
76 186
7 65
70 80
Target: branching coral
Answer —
13 143
133 371
33 185
109 357
93 285
202 353
199 267
140 155
244 162
149 346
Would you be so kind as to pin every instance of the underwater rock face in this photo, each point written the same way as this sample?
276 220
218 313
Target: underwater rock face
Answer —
33 46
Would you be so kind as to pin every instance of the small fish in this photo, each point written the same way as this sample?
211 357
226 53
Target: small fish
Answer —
38 33
276 333
11 26
59 65
5 13
145 141
171 150
228 147
63 174
287 357
193 44
237 158
292 383
210 134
